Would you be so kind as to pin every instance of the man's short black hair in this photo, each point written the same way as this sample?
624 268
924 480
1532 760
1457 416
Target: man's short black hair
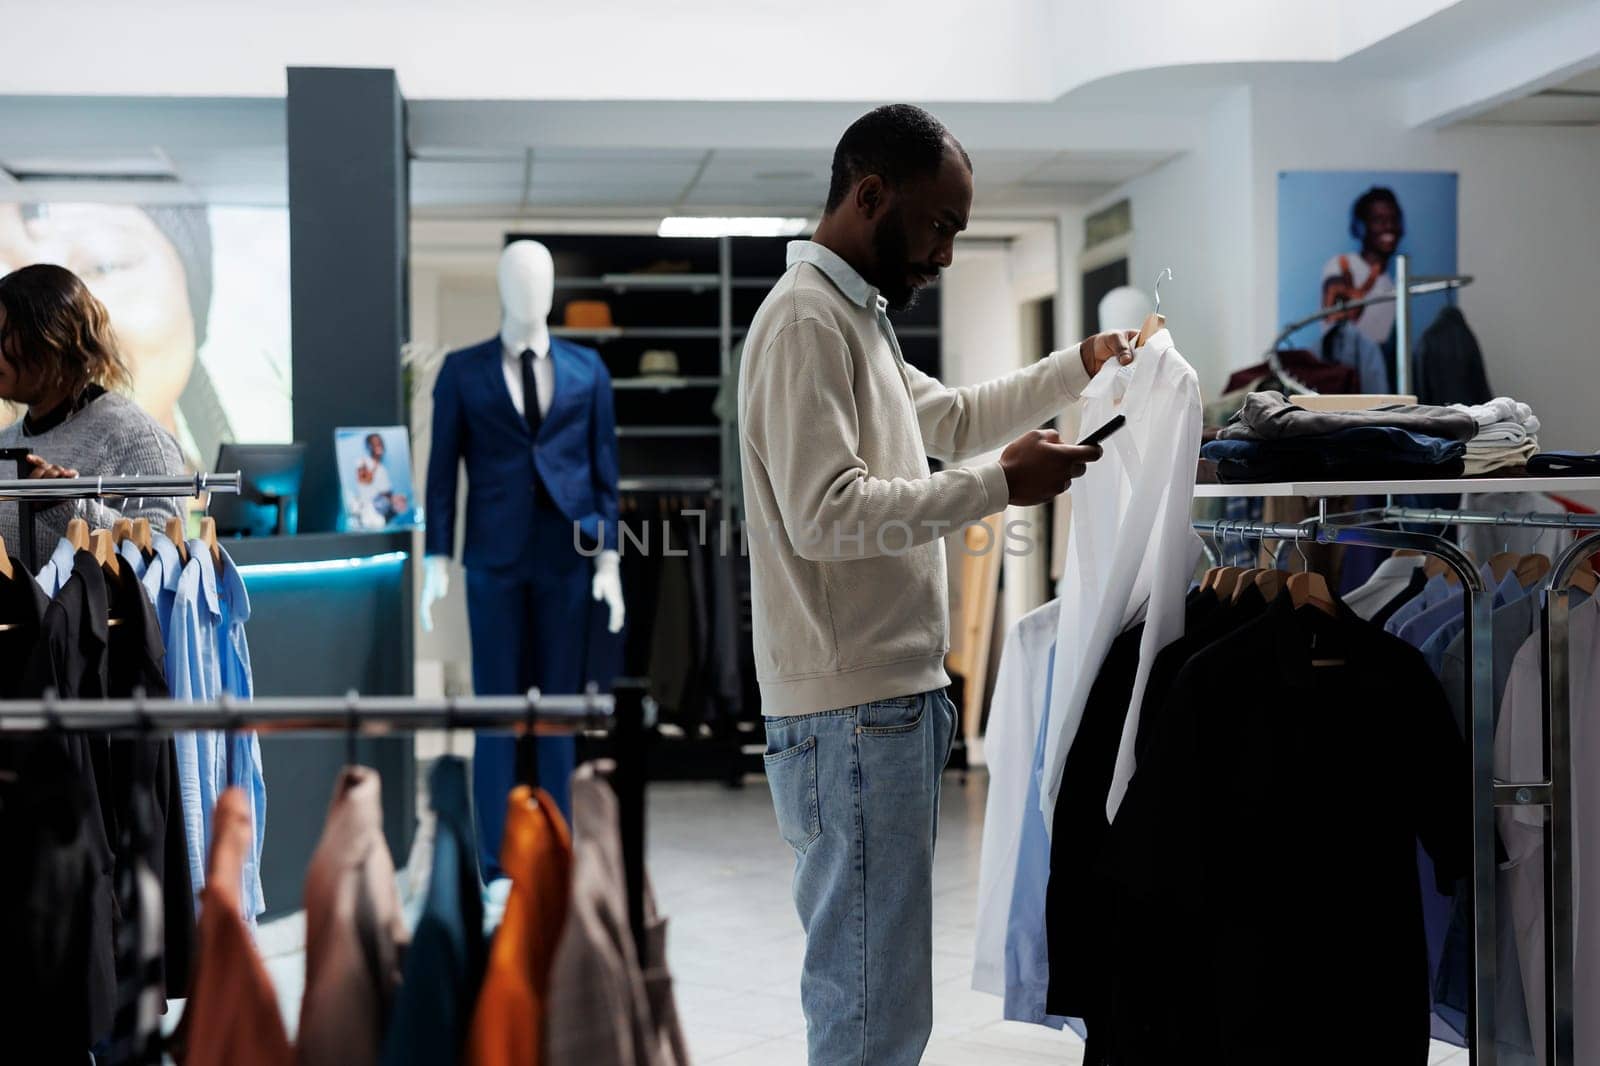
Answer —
897 142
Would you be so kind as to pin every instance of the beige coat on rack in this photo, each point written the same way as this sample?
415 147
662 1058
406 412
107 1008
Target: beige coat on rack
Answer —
980 594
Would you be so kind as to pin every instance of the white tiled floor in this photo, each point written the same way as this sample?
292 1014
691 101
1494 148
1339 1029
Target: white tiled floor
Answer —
721 874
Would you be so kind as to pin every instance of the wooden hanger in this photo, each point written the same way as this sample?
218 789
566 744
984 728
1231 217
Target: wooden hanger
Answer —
1312 588
208 534
1531 569
1406 553
1155 320
5 560
141 535
1502 563
1226 582
1270 583
175 533
121 530
1209 578
1584 578
104 547
1246 580
78 534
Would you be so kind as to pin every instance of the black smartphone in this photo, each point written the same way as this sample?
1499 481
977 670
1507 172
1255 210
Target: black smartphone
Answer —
1104 431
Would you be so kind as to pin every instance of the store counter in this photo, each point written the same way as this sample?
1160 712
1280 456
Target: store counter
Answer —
329 613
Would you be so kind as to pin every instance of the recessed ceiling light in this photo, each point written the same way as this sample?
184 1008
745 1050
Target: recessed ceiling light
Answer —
697 226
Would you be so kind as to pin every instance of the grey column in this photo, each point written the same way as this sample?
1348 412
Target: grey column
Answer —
348 207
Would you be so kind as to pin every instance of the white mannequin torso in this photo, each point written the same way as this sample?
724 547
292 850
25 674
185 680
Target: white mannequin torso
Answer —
527 277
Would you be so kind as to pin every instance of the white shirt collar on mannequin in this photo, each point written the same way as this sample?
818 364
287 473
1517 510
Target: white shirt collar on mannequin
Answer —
516 337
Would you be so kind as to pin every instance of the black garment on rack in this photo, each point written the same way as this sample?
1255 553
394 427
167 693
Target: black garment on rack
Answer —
1078 830
1199 632
1449 364
57 984
148 771
1265 853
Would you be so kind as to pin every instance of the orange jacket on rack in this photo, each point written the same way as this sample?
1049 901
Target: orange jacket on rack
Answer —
508 1023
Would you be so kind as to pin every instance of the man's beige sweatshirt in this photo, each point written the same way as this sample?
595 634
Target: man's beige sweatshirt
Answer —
844 518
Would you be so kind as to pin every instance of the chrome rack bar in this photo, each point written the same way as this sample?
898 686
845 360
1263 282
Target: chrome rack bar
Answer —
88 488
553 715
1539 520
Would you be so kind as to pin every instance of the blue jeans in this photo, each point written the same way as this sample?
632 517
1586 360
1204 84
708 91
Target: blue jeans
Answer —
857 797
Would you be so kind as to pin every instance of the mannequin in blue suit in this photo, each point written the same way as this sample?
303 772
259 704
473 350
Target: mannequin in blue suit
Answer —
541 523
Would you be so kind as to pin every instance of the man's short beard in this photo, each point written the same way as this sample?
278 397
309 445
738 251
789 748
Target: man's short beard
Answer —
894 261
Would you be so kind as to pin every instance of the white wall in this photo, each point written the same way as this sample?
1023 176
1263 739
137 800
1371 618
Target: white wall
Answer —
1194 215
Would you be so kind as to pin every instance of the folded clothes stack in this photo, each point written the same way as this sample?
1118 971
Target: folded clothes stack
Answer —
1507 435
1565 464
1272 439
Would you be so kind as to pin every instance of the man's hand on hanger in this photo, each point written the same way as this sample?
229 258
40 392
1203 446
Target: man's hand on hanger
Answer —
1101 348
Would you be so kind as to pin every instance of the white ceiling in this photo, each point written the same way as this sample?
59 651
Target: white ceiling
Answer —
495 158
780 181
1574 102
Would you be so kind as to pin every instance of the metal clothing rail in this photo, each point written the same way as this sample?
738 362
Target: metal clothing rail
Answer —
1405 288
1554 792
364 715
31 492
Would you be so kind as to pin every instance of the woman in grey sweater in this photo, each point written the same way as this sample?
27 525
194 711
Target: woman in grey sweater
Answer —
59 360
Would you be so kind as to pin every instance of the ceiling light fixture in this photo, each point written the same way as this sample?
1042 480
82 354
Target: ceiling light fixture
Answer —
698 226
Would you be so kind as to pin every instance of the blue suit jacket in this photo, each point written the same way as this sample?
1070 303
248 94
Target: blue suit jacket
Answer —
575 454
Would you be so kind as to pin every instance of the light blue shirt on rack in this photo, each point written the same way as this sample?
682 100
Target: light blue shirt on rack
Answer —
205 617
133 558
1509 591
57 568
1433 593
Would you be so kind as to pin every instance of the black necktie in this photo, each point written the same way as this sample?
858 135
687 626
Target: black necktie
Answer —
530 394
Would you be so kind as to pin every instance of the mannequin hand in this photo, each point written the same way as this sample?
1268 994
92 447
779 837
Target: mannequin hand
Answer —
1101 348
435 587
608 587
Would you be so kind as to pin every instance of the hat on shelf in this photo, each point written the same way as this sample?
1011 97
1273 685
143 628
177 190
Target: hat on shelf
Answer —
658 363
588 314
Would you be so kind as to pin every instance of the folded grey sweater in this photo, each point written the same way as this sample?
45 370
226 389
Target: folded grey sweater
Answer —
1270 416
109 436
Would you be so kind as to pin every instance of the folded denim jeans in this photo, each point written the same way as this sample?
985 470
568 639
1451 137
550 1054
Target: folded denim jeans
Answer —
1358 453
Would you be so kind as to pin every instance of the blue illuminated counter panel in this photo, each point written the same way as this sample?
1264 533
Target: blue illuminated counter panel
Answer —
329 612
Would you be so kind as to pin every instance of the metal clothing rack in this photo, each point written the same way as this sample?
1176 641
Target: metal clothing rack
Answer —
360 715
1553 792
31 493
626 714
1405 288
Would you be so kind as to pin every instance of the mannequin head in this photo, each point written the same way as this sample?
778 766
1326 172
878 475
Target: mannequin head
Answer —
527 282
1125 307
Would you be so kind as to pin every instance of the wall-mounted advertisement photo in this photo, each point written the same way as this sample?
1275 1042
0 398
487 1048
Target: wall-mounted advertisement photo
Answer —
375 478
